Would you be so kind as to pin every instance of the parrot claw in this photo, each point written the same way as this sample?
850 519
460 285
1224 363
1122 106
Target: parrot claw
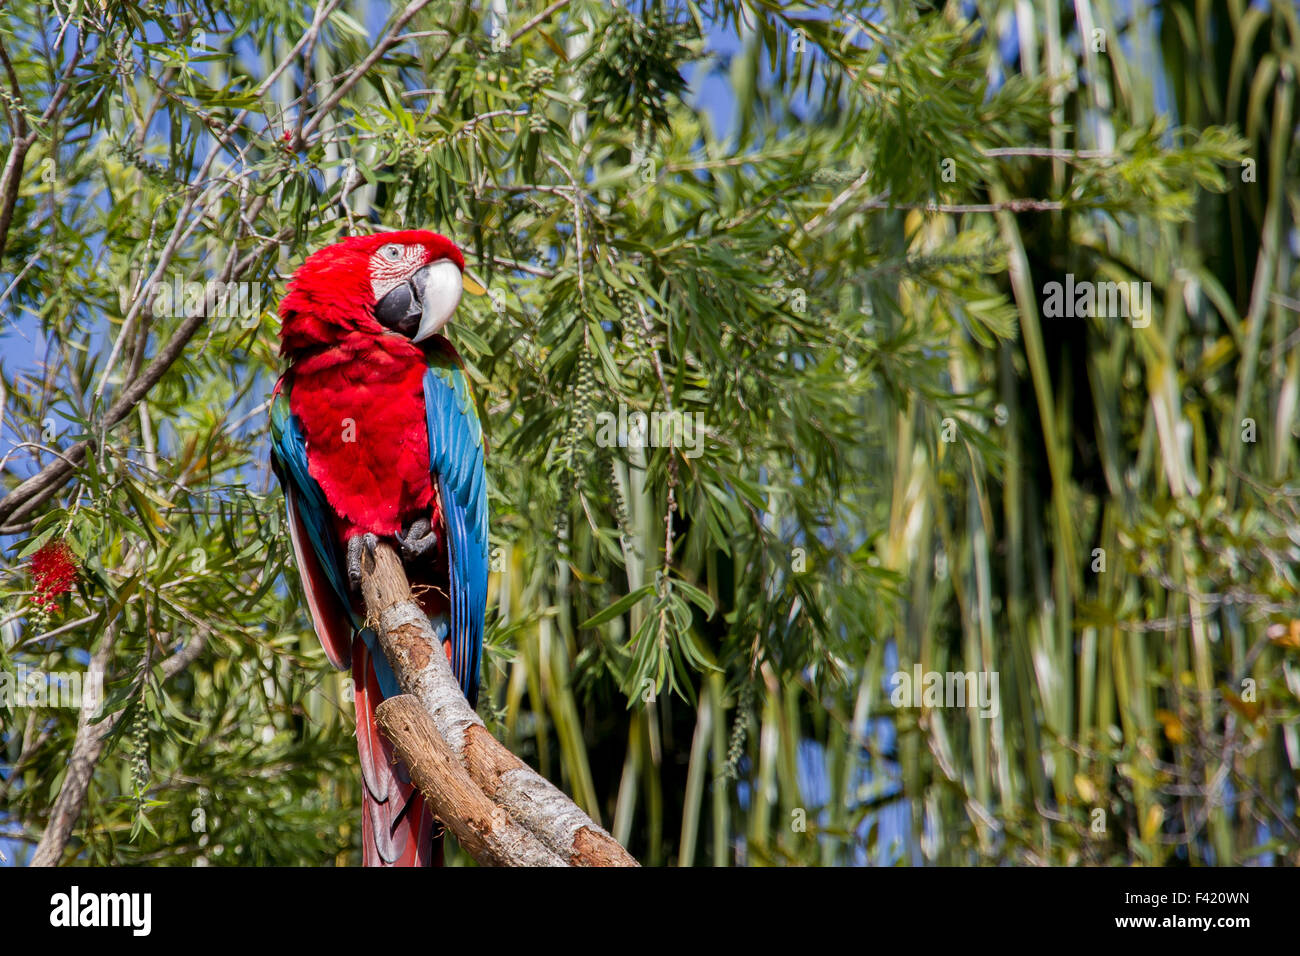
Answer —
419 539
367 541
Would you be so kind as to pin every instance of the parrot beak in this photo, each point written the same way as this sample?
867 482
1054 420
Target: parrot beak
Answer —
440 296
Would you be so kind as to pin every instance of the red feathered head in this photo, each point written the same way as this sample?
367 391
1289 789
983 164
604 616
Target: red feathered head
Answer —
404 282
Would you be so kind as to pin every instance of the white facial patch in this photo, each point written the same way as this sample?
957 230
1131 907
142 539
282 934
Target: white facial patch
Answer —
391 265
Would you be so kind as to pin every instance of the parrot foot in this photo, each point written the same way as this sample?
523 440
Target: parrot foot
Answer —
356 543
419 539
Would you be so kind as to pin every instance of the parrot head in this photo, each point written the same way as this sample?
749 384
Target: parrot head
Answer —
408 283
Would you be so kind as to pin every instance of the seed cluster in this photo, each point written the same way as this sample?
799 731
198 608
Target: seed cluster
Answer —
575 463
140 756
739 728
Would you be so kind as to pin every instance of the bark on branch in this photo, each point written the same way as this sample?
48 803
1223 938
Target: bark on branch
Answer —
508 814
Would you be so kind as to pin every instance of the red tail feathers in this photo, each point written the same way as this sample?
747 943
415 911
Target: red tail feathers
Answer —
396 828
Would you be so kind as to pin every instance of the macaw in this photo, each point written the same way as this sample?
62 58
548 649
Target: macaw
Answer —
375 435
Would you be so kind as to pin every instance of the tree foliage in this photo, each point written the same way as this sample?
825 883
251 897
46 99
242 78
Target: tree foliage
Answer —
828 278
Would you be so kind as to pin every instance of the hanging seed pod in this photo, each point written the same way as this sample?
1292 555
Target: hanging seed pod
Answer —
571 452
739 729
538 77
621 514
139 750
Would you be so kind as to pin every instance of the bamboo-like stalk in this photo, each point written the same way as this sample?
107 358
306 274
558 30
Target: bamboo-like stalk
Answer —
721 808
696 770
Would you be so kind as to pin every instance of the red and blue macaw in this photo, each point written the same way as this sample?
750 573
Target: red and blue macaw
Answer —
375 435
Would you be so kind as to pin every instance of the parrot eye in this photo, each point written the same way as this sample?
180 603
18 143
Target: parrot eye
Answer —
392 252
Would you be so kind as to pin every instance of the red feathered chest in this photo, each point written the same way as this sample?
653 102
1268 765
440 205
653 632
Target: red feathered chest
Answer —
361 406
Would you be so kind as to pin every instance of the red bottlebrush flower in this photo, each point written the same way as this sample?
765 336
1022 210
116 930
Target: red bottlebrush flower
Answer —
54 571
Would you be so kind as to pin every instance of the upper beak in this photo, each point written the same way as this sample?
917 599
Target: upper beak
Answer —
440 296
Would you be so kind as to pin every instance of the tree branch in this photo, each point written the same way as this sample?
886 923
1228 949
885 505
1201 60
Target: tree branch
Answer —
484 829
435 723
538 19
389 40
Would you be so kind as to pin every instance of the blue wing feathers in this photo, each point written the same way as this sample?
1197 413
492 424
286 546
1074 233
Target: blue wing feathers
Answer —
289 448
456 464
